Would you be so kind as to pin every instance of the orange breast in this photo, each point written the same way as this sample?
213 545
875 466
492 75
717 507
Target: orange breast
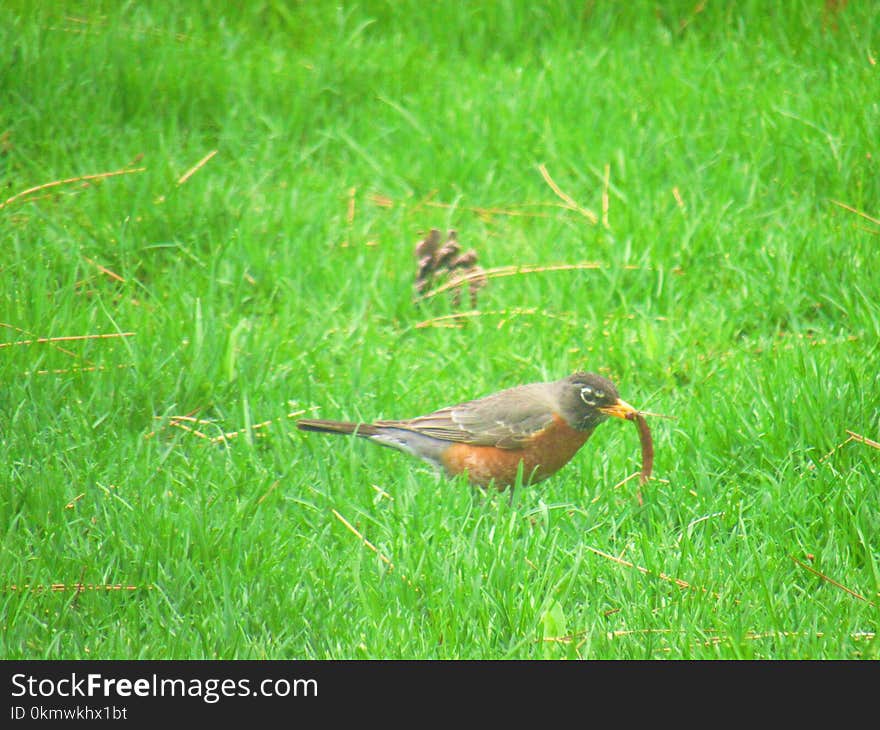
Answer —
547 453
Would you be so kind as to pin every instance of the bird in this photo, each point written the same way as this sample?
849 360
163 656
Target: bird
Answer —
534 429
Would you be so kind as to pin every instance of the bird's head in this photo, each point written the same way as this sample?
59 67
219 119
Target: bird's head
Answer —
587 399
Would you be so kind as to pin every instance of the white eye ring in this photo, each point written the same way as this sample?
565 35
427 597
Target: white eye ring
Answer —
587 395
600 394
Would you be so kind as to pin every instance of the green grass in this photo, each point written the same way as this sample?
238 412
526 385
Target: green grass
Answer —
750 311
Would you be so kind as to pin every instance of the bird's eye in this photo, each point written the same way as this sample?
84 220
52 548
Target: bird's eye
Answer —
588 396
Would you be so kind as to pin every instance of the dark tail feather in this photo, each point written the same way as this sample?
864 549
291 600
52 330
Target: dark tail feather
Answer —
343 427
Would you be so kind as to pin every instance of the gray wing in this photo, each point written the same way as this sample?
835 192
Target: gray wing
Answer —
506 419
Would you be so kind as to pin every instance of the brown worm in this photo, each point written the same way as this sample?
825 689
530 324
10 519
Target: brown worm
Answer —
647 449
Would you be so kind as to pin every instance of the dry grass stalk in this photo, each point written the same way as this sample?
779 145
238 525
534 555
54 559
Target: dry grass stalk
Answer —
181 421
105 270
72 503
352 206
720 638
450 320
679 201
53 343
832 581
78 369
381 492
77 587
489 213
66 338
606 183
852 436
619 484
382 201
175 423
269 491
580 636
565 198
856 211
680 583
195 168
69 181
351 528
516 271
224 437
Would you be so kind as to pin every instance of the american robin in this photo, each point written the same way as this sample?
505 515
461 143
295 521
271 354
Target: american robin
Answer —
540 425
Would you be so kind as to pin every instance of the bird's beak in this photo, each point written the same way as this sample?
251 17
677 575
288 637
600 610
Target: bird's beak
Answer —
621 409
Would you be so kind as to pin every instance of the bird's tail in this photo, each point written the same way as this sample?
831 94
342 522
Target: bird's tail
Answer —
343 427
